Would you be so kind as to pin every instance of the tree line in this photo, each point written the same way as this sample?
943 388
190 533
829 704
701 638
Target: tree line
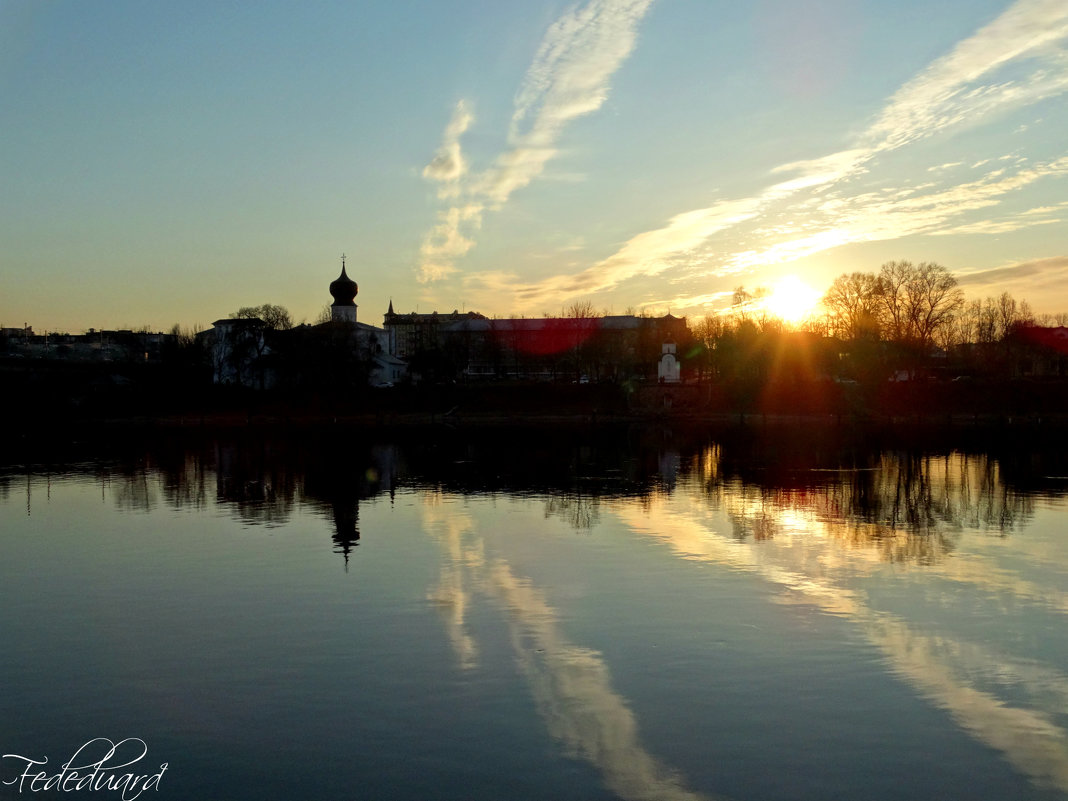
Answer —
905 316
920 306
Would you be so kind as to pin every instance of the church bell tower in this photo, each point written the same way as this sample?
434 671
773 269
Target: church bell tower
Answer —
343 289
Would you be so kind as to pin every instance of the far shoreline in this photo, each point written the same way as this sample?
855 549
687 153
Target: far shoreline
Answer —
904 430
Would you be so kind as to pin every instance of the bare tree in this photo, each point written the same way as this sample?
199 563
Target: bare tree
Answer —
1011 314
893 299
988 321
581 310
749 306
852 304
275 318
585 353
741 304
916 302
1047 319
183 337
708 332
326 314
965 326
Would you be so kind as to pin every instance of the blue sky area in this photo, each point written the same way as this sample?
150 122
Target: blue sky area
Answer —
170 162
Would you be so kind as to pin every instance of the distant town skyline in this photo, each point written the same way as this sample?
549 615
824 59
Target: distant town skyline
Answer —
172 162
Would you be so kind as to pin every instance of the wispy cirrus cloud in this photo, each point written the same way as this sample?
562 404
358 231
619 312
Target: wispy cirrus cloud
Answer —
690 301
448 166
448 240
1041 215
947 92
649 253
827 204
570 77
880 216
947 166
1043 272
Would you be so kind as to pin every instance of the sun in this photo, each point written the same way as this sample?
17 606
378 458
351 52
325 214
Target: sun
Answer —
791 299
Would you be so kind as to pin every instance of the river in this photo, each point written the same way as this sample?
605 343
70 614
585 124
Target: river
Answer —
537 614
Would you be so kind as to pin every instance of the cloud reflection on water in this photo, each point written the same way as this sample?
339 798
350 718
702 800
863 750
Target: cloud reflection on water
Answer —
813 545
571 684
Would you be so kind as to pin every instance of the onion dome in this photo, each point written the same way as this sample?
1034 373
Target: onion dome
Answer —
343 289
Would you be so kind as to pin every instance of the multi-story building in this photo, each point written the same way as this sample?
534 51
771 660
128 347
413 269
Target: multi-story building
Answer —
412 333
542 348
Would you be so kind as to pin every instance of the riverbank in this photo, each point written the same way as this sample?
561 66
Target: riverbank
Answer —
68 398
782 440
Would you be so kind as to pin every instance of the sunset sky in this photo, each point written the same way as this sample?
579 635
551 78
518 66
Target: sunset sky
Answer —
170 162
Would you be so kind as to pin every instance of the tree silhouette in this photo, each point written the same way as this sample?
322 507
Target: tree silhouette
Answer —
274 317
915 302
852 304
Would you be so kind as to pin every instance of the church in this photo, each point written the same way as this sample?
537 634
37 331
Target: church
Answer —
386 368
339 352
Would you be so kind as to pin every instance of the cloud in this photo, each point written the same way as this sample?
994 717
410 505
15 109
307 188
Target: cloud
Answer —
448 165
834 222
946 94
648 253
446 241
792 250
947 166
875 216
870 218
1040 215
828 168
1053 269
691 301
818 204
569 77
1005 226
941 95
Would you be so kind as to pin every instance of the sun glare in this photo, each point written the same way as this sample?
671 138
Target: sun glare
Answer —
791 299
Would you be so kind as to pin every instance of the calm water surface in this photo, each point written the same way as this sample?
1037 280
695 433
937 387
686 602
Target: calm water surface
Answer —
541 615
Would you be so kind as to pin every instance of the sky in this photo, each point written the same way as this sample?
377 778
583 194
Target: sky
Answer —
171 162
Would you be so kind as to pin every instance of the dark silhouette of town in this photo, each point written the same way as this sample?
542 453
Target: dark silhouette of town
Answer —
903 342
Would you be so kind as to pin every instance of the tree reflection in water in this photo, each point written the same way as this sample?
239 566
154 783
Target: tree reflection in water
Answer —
581 512
907 504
